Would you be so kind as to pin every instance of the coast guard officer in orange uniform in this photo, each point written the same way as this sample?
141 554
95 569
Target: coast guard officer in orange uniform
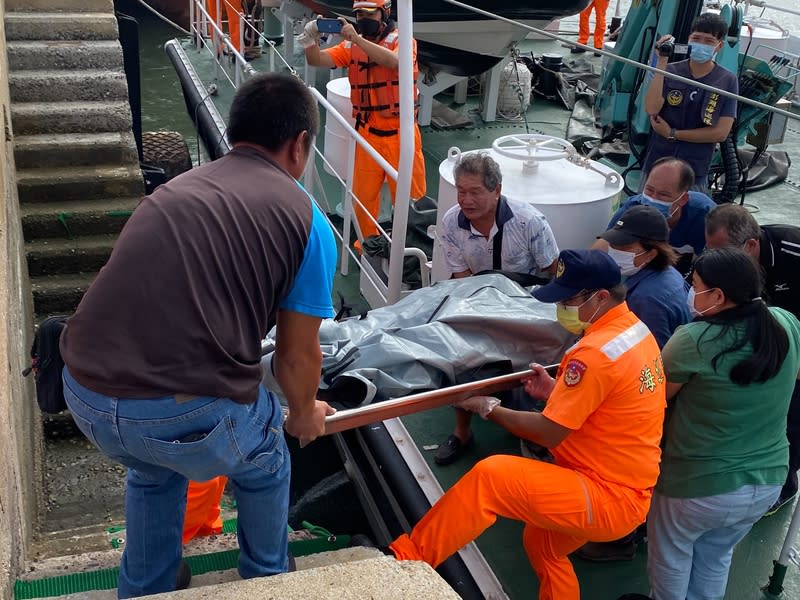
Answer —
369 51
602 423
599 7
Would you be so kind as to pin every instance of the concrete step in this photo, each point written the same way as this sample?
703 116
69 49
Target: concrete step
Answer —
347 574
60 5
30 118
79 183
74 149
64 54
59 294
83 85
55 256
61 26
71 219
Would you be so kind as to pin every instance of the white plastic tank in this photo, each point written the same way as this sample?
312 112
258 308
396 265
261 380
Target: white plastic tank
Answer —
576 200
336 138
766 40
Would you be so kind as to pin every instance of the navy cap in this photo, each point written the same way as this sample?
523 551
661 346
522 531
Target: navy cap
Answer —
640 222
580 270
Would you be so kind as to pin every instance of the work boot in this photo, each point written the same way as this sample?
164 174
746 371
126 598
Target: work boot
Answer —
577 50
184 577
624 549
365 541
452 449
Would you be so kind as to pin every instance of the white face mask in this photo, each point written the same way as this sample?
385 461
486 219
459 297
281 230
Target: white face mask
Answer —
625 261
690 302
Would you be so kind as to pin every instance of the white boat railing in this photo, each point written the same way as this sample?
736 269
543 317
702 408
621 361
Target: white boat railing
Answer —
381 292
765 5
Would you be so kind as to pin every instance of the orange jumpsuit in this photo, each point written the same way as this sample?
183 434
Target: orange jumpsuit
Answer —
203 508
234 27
610 392
600 7
381 131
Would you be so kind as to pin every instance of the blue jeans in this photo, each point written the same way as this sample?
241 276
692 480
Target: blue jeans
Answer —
164 443
690 541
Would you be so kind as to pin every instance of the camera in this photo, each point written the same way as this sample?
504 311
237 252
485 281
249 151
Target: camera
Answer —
666 48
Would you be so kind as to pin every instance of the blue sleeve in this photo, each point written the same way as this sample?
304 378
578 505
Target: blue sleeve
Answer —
697 231
632 201
313 286
655 315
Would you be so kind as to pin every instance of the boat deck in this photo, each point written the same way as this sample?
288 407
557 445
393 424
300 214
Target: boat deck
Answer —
501 544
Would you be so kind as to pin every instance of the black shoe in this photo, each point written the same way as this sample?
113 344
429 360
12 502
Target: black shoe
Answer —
779 504
597 54
184 577
365 541
452 449
608 551
577 50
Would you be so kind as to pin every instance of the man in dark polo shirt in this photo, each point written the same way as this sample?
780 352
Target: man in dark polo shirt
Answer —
667 189
777 250
163 353
687 121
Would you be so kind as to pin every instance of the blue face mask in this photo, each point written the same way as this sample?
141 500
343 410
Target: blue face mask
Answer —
662 207
701 53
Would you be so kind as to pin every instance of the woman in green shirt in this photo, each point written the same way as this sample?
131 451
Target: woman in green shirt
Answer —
730 375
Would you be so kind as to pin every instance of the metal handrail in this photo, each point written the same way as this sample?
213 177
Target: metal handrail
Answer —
201 21
627 61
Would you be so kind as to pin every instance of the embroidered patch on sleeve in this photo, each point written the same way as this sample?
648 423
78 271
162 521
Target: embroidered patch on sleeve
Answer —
573 372
647 380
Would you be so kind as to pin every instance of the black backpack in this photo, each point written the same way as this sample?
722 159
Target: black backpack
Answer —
47 364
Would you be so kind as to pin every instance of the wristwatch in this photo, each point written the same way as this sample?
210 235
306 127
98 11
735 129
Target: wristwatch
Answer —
672 133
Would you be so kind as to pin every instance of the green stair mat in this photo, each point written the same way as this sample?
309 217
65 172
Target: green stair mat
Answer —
106 579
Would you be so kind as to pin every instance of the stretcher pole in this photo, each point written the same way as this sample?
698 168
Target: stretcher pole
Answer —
407 405
775 586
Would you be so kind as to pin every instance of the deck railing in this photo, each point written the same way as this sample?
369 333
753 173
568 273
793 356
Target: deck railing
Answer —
233 66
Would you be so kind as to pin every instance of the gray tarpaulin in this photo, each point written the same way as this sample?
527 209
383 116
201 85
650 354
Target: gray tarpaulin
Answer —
455 331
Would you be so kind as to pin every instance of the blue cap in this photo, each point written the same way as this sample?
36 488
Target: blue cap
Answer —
580 270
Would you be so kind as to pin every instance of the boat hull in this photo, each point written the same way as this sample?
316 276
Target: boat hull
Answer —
461 42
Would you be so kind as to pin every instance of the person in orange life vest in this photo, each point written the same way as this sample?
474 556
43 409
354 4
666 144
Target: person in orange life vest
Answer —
369 51
203 508
234 9
600 7
602 422
233 19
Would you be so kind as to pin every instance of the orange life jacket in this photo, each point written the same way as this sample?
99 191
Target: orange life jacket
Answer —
375 89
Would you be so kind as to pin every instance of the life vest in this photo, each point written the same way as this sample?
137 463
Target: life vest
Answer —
375 89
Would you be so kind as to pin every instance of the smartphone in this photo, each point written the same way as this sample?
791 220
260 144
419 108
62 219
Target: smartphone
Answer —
329 25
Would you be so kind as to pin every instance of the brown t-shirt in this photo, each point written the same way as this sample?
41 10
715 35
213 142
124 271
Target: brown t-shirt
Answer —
194 283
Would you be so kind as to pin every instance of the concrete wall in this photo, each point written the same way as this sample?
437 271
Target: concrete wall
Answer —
21 448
